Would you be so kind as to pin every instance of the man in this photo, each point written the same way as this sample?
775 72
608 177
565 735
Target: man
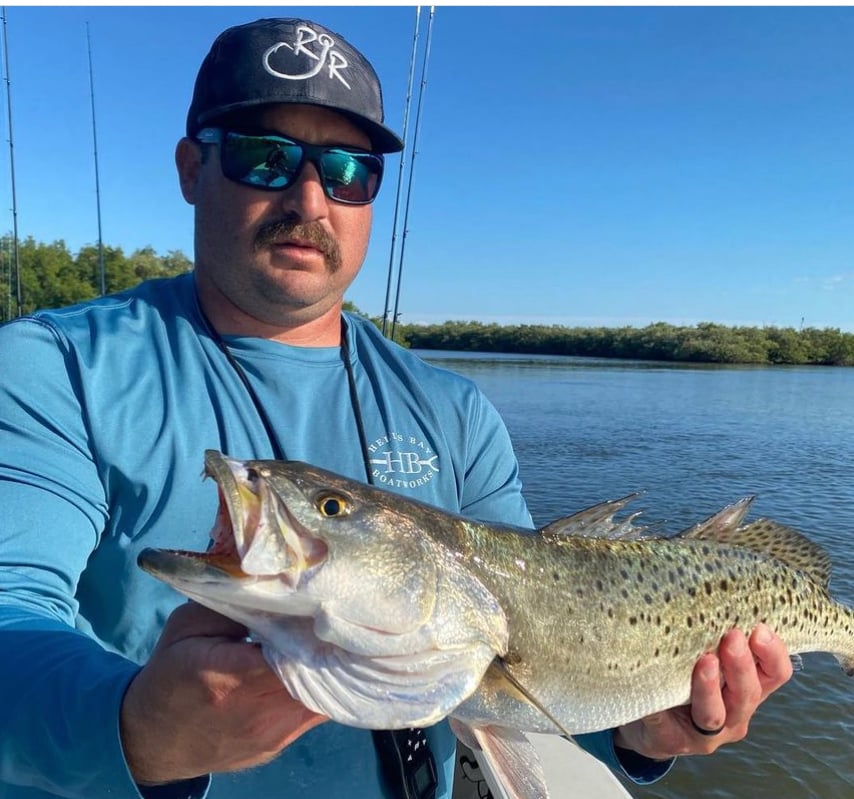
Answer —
106 408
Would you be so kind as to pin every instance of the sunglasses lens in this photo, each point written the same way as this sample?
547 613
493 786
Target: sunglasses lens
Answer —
274 163
259 161
351 177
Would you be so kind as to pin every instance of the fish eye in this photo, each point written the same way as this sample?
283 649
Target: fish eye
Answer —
330 505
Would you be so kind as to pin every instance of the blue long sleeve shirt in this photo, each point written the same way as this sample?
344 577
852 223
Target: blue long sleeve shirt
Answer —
106 409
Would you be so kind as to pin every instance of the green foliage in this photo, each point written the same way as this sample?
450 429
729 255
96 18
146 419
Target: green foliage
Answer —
703 343
50 276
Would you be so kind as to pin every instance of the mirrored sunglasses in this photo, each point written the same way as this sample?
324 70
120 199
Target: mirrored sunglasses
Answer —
272 163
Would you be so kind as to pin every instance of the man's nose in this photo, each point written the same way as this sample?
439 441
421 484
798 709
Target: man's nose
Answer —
305 196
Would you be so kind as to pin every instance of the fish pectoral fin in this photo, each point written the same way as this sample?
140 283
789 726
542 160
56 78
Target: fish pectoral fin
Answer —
499 670
508 760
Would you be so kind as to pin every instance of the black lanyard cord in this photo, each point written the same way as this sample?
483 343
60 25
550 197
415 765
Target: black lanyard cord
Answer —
278 450
354 401
406 762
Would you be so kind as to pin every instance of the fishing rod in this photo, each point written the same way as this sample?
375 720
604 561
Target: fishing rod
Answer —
406 106
7 276
15 256
412 168
101 276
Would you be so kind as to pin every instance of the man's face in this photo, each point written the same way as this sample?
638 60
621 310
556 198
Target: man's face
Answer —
282 257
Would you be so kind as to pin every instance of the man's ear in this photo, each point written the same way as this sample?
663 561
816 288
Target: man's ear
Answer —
188 160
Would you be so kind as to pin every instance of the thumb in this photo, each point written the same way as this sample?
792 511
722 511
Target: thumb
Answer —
192 620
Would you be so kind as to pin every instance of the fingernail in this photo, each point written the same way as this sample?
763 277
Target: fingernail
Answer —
762 635
739 646
709 668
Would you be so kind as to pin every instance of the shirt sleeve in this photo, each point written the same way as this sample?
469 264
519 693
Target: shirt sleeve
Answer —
639 769
492 488
60 691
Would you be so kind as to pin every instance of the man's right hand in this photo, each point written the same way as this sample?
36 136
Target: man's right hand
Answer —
206 701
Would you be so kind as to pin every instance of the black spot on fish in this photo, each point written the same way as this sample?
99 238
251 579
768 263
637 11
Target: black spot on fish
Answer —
708 586
633 620
512 658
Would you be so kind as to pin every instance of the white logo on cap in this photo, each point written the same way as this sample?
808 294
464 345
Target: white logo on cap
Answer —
327 56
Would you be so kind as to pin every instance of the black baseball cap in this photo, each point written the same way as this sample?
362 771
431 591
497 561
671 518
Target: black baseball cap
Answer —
289 61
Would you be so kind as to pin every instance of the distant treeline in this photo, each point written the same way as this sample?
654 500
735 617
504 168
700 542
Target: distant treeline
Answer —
702 343
51 276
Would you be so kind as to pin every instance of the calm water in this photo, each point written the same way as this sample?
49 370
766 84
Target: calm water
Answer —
694 439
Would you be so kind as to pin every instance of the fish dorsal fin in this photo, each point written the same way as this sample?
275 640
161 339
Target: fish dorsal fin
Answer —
789 546
595 522
766 537
721 526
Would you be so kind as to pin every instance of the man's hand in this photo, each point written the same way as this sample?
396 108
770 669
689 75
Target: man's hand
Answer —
726 689
206 701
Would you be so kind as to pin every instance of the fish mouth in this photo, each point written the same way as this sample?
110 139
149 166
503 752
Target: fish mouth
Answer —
180 564
254 534
237 511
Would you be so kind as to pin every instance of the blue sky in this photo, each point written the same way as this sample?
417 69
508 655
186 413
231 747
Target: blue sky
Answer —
574 165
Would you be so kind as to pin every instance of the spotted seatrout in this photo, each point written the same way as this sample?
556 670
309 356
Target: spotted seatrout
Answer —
383 612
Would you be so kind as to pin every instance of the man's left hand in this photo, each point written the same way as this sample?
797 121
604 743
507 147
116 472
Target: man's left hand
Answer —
726 689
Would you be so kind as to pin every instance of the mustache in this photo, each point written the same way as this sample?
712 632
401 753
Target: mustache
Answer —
312 232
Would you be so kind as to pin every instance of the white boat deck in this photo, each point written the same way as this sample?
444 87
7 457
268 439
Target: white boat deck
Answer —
570 772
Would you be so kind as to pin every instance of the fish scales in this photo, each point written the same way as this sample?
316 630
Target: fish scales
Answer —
605 632
383 612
